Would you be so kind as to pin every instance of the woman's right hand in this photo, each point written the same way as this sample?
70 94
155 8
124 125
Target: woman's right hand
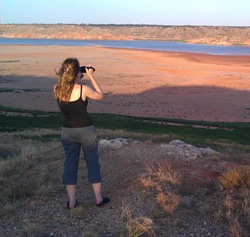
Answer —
89 71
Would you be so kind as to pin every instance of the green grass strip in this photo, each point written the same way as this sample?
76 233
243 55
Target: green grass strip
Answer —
21 119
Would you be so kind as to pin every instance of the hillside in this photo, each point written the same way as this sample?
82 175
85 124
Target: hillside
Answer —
156 189
191 34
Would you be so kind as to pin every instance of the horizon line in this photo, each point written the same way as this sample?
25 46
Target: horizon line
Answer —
112 24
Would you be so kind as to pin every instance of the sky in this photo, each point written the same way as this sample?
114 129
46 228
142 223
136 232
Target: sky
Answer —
148 12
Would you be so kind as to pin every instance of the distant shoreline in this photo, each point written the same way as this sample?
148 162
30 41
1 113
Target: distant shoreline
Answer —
211 35
155 45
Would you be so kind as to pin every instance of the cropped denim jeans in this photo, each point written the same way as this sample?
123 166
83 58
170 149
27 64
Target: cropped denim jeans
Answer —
74 140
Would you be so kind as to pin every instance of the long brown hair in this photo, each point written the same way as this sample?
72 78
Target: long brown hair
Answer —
66 79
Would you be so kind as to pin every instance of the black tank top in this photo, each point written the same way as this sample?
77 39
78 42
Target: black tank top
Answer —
74 113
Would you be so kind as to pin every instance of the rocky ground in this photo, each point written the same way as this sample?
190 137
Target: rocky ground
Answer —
135 175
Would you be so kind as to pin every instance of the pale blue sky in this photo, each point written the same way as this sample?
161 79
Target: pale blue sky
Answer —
159 12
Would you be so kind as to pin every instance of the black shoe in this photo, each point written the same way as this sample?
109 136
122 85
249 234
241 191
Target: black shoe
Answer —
104 201
74 206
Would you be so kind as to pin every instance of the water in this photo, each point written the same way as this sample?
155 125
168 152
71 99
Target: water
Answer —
136 44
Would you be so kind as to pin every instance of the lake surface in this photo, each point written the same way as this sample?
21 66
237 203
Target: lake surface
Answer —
136 44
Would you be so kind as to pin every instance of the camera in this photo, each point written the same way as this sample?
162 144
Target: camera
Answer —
83 68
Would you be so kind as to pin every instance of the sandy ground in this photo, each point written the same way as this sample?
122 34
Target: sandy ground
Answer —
136 82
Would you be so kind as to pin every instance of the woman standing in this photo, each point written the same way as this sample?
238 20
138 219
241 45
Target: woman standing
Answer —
78 131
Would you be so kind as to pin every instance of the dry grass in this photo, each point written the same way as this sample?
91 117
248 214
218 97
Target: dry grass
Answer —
162 178
245 204
32 230
169 201
235 214
18 178
238 177
10 166
237 200
234 209
136 226
165 173
146 181
157 173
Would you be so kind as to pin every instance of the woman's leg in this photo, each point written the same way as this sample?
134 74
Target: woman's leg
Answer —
100 200
71 190
90 150
72 154
94 174
98 192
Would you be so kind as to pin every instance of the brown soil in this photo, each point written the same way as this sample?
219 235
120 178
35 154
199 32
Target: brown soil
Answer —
136 82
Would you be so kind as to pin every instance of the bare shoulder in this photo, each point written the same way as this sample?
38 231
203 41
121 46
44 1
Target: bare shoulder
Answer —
75 92
76 88
85 92
85 87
